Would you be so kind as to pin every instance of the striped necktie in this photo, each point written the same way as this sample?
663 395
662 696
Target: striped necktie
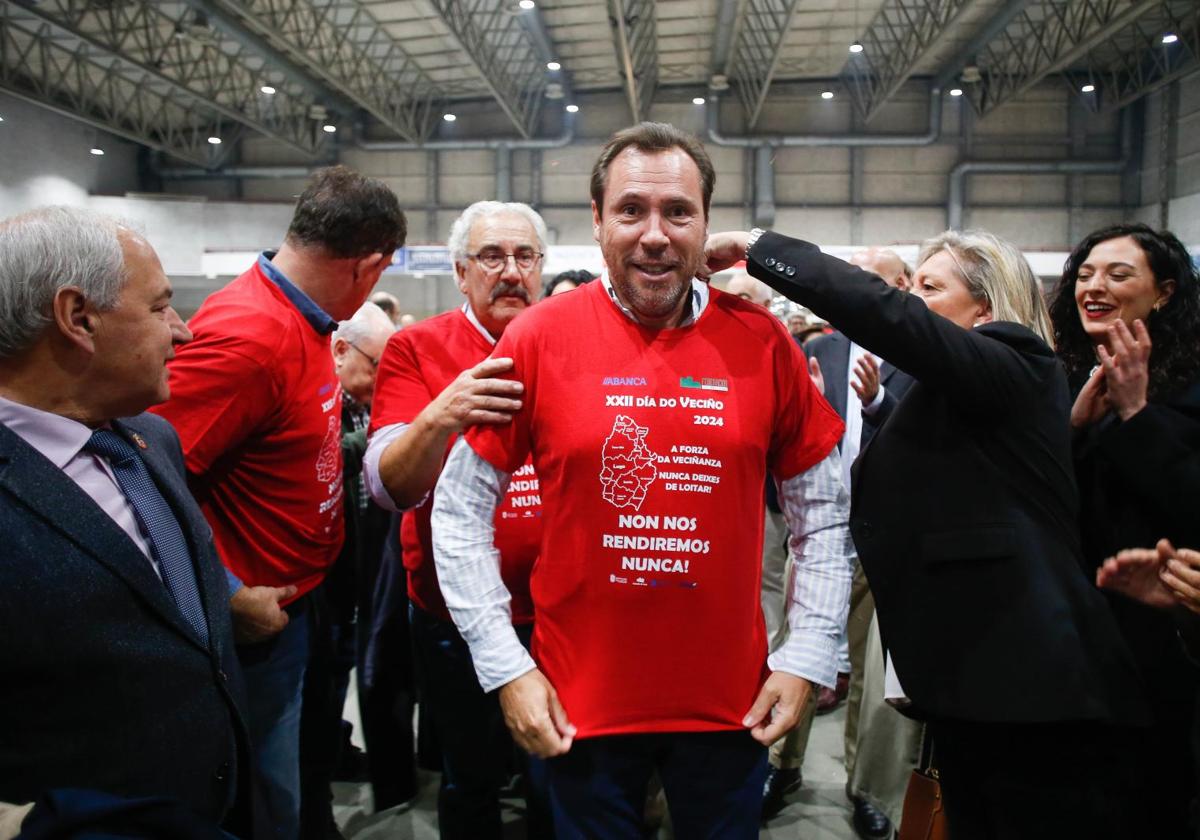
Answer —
158 520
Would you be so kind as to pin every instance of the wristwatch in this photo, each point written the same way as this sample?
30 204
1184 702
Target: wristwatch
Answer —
755 233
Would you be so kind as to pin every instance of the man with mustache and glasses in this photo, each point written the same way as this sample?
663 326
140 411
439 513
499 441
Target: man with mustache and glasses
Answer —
652 437
435 381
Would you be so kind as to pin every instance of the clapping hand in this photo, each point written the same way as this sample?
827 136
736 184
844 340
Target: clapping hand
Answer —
1127 368
1159 577
866 379
1092 402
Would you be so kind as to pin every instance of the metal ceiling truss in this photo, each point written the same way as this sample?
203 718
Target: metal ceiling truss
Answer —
761 30
1047 37
635 39
167 42
895 42
1134 61
341 43
95 87
493 39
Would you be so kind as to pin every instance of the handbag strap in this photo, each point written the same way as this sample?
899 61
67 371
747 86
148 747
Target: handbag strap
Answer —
926 764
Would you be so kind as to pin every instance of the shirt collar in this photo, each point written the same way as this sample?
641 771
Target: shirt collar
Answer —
58 438
470 313
699 300
315 315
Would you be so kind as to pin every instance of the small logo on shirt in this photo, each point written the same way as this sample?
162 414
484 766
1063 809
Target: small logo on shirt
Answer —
704 383
625 381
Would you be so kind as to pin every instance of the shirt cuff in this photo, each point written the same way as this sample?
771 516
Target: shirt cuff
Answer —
869 410
234 582
376 444
810 656
499 656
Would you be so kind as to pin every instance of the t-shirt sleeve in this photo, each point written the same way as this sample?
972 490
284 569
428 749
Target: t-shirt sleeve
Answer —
506 446
806 427
401 392
220 395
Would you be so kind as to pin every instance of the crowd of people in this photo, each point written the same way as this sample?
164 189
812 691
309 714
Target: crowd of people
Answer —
616 538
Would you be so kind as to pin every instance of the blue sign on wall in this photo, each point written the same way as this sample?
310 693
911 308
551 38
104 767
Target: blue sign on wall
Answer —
434 259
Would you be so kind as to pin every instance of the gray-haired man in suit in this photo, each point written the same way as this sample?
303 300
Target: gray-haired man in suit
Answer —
118 663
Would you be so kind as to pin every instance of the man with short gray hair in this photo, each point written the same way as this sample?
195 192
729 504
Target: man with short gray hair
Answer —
436 381
118 662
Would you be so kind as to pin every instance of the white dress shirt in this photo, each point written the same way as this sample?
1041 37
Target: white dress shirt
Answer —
855 410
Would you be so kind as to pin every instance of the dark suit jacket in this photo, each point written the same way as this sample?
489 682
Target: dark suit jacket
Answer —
103 684
963 510
832 352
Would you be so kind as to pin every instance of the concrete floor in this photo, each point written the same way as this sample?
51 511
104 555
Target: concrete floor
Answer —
818 812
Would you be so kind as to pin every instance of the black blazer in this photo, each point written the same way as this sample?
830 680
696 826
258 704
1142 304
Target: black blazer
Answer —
832 352
963 510
103 684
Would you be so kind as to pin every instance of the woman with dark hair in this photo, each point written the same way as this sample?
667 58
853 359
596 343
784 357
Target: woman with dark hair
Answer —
1126 318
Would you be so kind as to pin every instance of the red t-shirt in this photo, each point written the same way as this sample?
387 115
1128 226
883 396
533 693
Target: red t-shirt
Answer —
258 409
652 447
417 365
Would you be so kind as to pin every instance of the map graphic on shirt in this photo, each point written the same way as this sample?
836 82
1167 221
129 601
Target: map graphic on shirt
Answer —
328 466
627 464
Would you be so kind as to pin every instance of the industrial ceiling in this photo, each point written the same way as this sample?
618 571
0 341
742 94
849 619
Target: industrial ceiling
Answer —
191 77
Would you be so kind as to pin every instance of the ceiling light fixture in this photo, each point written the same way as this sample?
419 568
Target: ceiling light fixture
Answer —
527 5
1170 38
572 109
553 65
449 117
856 48
828 94
698 100
956 91
216 141
329 128
1088 88
268 90
98 152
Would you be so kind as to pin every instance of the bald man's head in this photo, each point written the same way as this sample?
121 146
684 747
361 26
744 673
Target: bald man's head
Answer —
747 288
886 263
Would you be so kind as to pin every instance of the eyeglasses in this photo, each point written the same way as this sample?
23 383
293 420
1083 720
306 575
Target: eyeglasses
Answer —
374 360
493 261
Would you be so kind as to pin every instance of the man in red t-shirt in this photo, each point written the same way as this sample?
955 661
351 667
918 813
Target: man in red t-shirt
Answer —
435 381
652 409
258 409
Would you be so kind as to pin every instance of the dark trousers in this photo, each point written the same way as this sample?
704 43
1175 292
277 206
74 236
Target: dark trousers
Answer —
713 782
474 741
1034 781
320 721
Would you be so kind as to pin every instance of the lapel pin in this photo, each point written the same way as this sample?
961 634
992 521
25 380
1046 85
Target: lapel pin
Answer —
139 440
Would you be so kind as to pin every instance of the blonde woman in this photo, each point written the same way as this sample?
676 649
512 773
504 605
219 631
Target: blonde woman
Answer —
963 514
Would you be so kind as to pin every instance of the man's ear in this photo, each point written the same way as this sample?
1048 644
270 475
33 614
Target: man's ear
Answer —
371 267
595 222
75 317
460 276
